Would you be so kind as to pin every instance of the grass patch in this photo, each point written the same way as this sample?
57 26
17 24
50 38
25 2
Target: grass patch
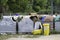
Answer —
55 32
4 37
32 36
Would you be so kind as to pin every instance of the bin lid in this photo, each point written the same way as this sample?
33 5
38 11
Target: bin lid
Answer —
46 24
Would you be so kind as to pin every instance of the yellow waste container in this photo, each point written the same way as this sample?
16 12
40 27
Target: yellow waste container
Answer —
46 28
38 31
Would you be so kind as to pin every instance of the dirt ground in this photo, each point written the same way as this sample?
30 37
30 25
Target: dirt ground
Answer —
50 37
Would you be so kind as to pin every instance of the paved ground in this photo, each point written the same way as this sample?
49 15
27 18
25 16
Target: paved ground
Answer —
50 37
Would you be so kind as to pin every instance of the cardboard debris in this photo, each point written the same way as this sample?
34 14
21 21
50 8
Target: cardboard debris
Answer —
48 18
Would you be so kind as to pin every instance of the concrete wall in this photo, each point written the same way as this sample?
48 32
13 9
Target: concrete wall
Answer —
7 25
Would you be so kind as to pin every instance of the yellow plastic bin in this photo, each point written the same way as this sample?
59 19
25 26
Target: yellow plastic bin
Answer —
38 31
46 28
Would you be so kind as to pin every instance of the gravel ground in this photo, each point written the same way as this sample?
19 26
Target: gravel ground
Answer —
50 37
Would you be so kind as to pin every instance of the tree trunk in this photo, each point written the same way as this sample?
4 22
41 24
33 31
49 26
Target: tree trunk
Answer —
33 25
16 27
1 11
53 24
4 10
